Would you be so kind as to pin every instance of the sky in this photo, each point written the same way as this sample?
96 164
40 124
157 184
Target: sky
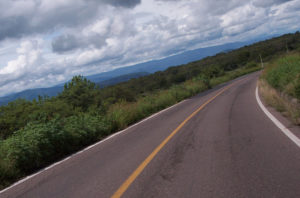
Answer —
46 42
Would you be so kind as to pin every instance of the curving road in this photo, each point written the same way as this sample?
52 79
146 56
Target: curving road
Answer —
229 149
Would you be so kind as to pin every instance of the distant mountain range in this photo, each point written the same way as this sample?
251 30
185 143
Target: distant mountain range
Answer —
31 94
129 72
162 64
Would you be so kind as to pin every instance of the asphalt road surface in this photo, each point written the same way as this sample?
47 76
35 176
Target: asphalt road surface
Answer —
229 149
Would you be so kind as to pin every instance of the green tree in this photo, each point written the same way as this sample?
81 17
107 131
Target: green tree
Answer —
80 92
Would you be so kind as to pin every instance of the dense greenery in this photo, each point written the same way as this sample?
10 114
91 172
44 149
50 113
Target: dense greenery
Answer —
36 133
284 75
280 85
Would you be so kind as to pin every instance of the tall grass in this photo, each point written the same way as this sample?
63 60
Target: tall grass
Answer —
124 113
281 102
280 86
284 75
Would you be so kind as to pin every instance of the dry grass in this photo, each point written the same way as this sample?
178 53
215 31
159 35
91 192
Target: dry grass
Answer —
289 107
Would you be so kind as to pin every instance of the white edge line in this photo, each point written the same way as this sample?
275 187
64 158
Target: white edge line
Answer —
87 148
285 130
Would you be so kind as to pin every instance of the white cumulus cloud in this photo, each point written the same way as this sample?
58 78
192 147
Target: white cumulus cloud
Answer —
44 42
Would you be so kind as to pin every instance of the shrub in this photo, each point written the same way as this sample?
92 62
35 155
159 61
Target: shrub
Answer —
40 143
284 75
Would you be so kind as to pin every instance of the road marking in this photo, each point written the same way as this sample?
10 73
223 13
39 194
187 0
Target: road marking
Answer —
87 148
285 130
143 165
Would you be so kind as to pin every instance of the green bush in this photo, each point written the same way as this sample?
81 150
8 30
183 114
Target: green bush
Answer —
40 143
284 74
251 64
28 148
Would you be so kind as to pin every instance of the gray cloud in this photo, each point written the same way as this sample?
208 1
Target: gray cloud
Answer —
123 3
69 42
40 16
95 34
267 3
13 27
65 43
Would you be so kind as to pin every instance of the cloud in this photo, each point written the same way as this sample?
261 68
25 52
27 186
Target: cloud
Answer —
58 39
65 43
28 60
21 18
123 3
268 3
95 35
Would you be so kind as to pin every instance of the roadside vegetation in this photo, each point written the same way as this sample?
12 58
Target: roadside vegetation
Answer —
280 85
36 133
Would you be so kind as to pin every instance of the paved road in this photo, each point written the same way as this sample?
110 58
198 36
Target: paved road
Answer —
228 149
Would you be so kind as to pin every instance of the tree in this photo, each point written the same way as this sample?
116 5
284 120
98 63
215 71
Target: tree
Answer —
80 92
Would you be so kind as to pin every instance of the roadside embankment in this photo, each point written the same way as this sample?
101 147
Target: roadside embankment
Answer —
279 86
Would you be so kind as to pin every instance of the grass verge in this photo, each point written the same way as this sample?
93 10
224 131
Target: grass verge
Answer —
279 86
124 114
287 106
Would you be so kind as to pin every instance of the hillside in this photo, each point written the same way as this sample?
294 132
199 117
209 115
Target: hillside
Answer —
31 94
162 64
122 78
36 133
280 85
126 73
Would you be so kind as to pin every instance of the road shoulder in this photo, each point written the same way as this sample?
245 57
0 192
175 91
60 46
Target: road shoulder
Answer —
290 129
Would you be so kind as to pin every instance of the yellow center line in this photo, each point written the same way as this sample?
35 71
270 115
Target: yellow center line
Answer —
143 165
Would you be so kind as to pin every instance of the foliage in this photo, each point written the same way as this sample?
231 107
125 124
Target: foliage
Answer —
36 133
79 93
38 144
284 75
280 85
286 105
